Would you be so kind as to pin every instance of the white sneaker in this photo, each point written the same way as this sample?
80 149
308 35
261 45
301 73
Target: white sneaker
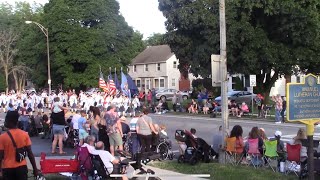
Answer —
278 122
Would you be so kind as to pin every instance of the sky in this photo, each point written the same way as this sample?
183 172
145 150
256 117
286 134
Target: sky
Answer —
142 15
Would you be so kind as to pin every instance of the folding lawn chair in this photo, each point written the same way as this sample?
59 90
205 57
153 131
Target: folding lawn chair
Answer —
230 151
270 152
254 152
293 157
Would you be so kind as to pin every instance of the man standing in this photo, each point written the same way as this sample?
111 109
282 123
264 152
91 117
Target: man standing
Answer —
114 129
278 108
83 132
174 102
14 139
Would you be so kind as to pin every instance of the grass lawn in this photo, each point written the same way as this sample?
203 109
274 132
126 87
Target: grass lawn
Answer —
224 172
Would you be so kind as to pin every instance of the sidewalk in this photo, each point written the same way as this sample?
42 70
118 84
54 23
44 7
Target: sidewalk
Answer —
163 174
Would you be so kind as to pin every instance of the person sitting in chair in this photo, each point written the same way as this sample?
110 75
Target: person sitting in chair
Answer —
108 160
243 109
89 143
158 107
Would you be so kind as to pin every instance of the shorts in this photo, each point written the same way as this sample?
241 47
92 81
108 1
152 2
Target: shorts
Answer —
115 139
83 134
58 129
20 172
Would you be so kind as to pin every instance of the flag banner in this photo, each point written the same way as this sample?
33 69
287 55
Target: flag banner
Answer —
124 85
112 87
102 83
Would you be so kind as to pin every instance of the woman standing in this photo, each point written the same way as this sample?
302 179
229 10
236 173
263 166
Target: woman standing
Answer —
95 119
58 122
144 130
102 132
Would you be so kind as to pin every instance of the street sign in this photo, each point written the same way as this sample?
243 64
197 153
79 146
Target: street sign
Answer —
303 99
253 81
215 70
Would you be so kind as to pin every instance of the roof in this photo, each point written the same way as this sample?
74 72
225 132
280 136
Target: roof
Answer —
153 54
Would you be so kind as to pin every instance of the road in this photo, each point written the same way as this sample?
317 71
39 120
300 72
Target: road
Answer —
205 127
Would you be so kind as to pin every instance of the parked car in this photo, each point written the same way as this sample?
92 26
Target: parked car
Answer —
238 96
167 94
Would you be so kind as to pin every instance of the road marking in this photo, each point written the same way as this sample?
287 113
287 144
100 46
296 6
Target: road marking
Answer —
232 120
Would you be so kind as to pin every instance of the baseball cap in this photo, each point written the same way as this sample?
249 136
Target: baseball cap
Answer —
278 133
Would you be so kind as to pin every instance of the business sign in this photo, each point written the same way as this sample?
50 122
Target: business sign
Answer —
303 99
253 80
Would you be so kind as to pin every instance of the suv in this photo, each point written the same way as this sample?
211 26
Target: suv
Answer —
238 96
167 94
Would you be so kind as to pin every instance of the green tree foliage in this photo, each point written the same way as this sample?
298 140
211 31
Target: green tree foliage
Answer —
155 39
264 37
84 35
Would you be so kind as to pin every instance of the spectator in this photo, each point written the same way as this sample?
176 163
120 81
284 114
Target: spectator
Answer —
174 102
217 143
108 159
262 134
193 107
193 132
133 134
234 108
254 134
205 106
89 143
46 126
114 129
278 108
301 135
243 109
154 99
280 147
144 130
284 107
149 98
11 168
124 125
237 132
83 132
37 121
158 108
260 104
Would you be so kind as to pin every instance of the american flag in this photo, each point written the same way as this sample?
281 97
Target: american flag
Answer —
102 84
112 87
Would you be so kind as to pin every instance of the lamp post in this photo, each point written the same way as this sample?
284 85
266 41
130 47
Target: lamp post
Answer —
45 32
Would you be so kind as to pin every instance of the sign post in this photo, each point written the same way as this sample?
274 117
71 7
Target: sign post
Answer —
303 104
253 83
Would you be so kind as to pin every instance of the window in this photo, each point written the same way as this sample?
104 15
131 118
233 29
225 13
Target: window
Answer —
158 67
147 84
174 64
298 79
161 82
146 67
134 68
173 82
138 82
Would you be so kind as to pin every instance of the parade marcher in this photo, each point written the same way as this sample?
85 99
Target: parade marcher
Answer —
135 104
73 102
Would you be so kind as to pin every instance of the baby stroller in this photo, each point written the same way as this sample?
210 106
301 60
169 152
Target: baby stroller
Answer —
196 148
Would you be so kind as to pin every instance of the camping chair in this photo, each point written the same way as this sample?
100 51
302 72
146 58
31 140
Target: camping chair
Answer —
85 163
100 171
270 152
253 152
230 151
293 157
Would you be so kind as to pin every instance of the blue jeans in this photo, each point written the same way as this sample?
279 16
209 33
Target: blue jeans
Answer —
25 125
278 115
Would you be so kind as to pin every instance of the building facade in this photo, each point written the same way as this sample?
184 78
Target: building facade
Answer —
157 67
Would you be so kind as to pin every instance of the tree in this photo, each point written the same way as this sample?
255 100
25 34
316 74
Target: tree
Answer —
84 35
264 37
7 53
155 39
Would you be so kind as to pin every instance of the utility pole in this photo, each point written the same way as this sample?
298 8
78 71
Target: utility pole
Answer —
224 75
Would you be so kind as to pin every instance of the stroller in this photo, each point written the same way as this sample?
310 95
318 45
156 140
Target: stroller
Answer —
196 148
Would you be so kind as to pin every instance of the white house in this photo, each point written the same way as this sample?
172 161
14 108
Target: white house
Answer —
157 67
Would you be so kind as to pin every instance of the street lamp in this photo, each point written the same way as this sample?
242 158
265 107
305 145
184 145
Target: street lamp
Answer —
45 32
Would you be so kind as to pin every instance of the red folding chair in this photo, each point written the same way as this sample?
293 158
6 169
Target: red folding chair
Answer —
293 157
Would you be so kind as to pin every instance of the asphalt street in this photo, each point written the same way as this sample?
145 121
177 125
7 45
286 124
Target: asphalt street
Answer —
205 126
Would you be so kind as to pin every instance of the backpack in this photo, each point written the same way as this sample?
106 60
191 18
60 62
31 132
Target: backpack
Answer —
111 121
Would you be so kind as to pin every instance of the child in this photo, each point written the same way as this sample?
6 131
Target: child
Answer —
164 135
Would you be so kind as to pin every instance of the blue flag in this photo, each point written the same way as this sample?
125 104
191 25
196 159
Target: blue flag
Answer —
124 85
